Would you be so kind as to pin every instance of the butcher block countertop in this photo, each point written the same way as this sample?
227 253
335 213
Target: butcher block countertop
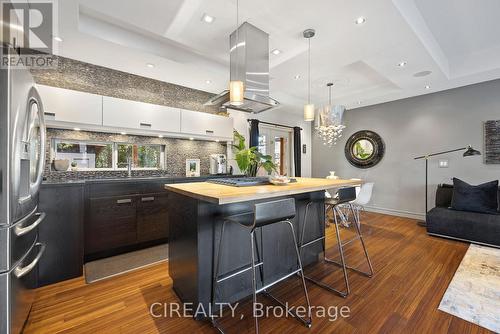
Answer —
222 194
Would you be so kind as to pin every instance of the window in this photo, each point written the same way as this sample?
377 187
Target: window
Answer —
143 156
95 155
85 155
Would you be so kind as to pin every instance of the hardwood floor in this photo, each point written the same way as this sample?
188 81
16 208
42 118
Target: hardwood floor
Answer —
412 272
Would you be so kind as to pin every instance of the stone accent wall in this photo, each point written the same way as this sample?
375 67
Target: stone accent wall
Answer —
176 153
85 77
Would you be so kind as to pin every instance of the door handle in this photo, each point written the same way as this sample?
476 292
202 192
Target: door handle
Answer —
124 201
147 199
19 231
23 271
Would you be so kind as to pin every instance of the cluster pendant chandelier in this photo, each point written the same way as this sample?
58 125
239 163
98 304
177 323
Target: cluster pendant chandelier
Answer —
329 121
309 107
236 87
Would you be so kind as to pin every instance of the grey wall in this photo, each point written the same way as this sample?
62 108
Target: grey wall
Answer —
412 127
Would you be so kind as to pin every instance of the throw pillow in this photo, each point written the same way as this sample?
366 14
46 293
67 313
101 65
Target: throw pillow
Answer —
482 198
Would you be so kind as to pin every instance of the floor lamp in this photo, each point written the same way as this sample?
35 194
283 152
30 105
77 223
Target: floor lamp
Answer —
469 152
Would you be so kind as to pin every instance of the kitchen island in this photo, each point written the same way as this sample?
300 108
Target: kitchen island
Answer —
196 212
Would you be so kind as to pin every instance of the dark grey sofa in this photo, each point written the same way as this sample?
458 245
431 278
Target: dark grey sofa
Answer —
480 228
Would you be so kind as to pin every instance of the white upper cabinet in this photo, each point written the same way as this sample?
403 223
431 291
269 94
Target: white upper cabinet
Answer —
204 124
71 106
138 115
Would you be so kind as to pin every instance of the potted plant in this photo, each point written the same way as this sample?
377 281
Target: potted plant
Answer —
250 160
74 166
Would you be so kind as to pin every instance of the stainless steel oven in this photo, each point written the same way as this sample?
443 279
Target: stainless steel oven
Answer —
22 158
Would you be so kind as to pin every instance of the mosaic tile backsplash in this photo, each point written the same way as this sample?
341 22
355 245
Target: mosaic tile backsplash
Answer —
176 153
85 77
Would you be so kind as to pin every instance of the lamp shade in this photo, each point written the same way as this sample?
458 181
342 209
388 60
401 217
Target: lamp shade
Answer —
471 152
309 112
236 93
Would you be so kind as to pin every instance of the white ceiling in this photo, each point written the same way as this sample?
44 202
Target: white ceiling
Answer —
458 40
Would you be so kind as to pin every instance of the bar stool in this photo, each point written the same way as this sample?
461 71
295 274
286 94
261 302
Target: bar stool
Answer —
273 212
344 197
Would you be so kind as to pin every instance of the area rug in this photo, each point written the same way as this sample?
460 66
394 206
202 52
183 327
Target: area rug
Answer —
474 292
116 265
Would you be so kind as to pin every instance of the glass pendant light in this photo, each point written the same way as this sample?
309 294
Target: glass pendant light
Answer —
236 87
329 124
309 107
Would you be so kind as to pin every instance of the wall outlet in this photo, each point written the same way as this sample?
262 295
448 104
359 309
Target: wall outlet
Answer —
443 163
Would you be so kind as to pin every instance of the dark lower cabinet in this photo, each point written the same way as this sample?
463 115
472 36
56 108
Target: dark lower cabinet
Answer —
61 232
152 217
112 223
119 224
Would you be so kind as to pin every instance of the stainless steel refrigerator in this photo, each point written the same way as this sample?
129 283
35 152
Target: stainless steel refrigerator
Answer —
22 158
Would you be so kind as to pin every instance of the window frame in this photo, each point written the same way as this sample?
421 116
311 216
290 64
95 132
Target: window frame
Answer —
114 153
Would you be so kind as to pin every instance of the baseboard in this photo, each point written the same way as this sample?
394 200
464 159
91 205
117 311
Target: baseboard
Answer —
393 212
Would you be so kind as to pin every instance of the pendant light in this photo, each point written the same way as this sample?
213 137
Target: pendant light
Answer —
309 107
236 87
330 125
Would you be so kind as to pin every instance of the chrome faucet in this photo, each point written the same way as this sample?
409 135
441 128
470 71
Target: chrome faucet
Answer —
129 163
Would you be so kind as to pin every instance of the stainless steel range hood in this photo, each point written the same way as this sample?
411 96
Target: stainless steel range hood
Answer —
250 64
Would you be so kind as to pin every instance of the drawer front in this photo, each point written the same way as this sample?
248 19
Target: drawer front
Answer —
113 189
152 217
111 223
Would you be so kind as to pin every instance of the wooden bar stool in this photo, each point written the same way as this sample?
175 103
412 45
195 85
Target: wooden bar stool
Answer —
274 212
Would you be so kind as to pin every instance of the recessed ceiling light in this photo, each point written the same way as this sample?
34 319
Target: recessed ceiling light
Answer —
160 136
123 133
76 129
297 77
360 20
403 63
208 82
359 102
427 87
422 74
276 52
191 138
150 65
58 39
207 18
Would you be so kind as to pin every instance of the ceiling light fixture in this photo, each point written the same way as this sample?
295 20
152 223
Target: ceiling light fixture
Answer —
360 20
160 136
427 87
276 52
403 63
150 65
123 133
309 107
58 39
359 102
191 138
329 122
207 18
208 82
297 77
237 87
217 140
76 129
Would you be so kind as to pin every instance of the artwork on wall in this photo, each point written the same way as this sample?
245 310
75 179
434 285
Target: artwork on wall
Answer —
192 167
492 142
364 149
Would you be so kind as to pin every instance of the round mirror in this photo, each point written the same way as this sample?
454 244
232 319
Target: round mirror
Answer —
364 149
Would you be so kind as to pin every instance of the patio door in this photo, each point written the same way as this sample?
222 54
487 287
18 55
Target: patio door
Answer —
276 142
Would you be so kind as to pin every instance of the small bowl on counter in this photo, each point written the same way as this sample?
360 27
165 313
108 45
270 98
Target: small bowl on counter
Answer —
279 180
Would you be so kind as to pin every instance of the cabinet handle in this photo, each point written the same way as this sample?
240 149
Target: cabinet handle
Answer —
52 114
124 201
209 131
147 199
147 125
